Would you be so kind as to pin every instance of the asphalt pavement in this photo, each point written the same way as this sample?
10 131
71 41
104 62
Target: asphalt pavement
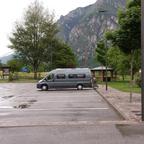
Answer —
64 116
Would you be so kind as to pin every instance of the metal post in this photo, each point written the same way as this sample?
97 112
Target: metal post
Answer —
106 74
106 65
142 59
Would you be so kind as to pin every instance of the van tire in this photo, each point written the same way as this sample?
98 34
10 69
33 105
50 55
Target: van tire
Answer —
44 87
79 87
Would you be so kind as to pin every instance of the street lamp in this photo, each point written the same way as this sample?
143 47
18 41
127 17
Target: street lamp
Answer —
106 65
142 58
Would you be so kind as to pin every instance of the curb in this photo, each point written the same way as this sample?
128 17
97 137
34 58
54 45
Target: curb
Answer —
115 108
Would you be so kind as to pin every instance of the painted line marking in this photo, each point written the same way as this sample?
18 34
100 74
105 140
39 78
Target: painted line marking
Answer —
67 123
6 107
63 109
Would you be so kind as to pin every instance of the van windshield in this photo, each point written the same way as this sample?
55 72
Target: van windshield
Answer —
50 77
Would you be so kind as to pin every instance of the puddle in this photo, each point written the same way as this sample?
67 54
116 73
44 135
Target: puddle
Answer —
7 97
32 101
131 130
25 105
137 112
22 106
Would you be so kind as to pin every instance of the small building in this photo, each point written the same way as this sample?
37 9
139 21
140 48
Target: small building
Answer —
5 71
99 73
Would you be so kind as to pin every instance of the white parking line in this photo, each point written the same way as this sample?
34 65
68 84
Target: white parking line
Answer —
67 101
64 109
6 107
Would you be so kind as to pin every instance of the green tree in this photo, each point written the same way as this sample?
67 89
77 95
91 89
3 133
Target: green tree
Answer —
31 38
15 65
1 63
118 61
101 52
62 55
127 36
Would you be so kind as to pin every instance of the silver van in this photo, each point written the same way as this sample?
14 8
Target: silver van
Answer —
66 78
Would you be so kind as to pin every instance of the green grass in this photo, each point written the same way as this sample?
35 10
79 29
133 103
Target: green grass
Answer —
124 86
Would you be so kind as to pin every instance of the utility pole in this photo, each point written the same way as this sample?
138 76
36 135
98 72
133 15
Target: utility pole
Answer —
142 59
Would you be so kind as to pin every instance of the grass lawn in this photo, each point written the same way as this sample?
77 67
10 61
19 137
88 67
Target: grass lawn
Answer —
124 86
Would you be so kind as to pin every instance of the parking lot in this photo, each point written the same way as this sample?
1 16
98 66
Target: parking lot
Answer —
24 104
62 116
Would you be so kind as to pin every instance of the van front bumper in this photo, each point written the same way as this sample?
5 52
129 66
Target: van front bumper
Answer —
39 86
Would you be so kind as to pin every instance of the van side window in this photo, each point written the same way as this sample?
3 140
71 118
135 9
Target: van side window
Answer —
60 76
71 76
81 76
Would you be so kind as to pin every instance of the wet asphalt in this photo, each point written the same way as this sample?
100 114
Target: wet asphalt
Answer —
62 116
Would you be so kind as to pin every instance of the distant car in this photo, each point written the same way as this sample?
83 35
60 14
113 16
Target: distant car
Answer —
25 69
66 78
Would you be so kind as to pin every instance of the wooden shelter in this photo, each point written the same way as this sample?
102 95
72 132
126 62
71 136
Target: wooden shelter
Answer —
99 73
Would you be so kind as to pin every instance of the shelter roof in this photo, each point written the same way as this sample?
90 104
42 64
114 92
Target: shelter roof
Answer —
101 68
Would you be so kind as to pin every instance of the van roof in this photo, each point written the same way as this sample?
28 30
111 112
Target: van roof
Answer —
71 70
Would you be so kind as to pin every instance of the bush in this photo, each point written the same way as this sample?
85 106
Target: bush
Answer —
10 77
13 76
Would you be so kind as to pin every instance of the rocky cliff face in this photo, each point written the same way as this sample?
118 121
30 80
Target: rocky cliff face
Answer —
83 27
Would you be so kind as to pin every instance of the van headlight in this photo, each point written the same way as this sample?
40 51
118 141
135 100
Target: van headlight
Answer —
40 81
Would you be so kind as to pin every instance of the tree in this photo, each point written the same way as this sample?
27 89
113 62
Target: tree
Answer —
101 51
1 63
62 55
127 37
31 38
118 61
15 65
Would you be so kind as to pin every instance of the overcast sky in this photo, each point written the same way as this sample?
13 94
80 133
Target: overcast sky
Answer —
12 11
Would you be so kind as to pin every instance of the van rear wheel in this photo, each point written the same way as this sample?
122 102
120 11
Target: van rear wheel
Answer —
79 87
44 87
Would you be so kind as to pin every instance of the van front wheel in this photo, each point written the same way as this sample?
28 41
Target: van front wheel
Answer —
44 87
79 87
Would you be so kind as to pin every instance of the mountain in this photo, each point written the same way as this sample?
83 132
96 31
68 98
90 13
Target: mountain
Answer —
83 27
5 59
